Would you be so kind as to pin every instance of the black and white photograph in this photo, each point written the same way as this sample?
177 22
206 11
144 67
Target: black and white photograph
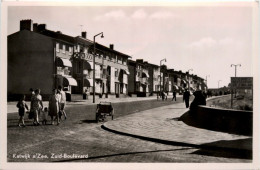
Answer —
138 84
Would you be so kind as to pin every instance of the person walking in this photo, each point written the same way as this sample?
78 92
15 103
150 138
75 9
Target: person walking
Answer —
36 104
186 98
54 107
21 105
62 102
174 95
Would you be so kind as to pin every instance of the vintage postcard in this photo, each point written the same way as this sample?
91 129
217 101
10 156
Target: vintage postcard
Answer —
129 85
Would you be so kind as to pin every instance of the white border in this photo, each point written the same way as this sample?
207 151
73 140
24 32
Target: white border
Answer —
3 107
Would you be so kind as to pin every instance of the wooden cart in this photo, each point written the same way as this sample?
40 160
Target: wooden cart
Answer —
104 109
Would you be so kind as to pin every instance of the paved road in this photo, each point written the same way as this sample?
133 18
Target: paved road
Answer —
80 135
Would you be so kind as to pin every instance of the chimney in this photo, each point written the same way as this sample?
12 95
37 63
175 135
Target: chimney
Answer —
35 27
41 27
26 25
139 60
111 46
84 34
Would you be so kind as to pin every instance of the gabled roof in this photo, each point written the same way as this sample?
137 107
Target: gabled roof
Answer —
58 36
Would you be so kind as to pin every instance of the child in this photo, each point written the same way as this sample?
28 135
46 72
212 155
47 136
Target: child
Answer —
44 116
21 109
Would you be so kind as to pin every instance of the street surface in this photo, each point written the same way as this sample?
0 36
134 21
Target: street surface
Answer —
80 139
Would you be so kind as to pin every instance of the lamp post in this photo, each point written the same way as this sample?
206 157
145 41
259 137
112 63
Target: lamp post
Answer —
218 83
235 65
94 76
161 75
207 80
189 78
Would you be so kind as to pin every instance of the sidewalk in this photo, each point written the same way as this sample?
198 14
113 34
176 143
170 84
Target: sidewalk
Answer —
11 106
162 125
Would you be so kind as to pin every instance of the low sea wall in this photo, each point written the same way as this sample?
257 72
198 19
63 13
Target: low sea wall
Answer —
228 120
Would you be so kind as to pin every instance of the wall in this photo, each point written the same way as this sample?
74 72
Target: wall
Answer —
30 63
232 121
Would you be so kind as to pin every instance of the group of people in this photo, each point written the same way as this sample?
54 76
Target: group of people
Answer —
200 98
55 107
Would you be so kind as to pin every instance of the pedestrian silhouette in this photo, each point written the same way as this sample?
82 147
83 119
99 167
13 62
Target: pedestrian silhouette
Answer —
186 98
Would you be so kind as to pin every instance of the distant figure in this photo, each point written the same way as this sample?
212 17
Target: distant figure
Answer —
165 95
21 105
199 99
174 95
162 94
186 98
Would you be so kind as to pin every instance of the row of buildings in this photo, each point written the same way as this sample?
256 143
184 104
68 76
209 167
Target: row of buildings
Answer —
45 59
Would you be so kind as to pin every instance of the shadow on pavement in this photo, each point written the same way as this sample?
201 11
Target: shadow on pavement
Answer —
228 153
175 108
121 154
88 121
193 120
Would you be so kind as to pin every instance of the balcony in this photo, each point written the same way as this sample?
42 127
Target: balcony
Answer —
99 75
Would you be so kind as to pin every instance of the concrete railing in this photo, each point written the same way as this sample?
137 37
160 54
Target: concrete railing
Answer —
237 121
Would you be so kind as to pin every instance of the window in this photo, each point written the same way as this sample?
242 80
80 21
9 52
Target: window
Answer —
63 48
57 47
81 49
116 72
70 49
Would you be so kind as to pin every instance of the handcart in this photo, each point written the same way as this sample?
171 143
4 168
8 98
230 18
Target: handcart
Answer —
104 109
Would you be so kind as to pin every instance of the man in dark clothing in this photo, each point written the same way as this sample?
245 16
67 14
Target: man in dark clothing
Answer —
174 95
199 99
186 97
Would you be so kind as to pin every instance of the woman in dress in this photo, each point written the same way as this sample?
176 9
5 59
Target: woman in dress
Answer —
54 107
36 106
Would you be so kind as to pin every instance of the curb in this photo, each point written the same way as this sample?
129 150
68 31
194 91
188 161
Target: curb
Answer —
167 142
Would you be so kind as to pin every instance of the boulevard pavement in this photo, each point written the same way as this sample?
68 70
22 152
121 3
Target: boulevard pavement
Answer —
163 125
11 106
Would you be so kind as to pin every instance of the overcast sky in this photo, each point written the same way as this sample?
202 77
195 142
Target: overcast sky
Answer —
207 39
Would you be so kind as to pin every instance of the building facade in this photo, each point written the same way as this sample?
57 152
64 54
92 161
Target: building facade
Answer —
139 78
45 59
37 61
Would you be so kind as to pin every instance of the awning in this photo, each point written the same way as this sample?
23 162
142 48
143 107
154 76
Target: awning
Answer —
88 82
176 87
146 74
88 65
184 81
69 81
63 62
126 71
192 88
181 88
